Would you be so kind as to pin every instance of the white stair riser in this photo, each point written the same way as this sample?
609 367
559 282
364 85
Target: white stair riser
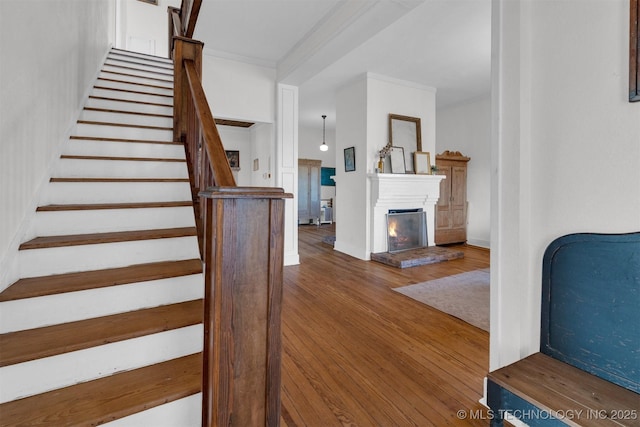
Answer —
159 71
116 94
55 309
84 147
166 83
139 57
125 118
68 259
39 376
186 412
121 132
129 106
133 86
62 193
59 223
72 168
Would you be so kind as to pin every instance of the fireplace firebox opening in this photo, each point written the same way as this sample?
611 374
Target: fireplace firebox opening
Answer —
406 229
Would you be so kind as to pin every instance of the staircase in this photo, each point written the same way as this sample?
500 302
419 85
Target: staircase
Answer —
105 324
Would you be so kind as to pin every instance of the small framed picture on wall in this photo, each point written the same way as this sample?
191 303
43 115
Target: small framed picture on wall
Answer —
350 159
234 158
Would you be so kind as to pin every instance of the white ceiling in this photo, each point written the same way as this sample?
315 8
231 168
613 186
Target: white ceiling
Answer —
319 45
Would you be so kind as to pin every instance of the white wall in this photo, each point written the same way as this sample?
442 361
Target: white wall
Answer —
362 115
237 138
352 231
143 27
239 91
262 150
565 148
51 51
310 140
467 128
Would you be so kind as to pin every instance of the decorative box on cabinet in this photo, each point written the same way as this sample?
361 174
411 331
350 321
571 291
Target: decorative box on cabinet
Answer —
451 210
309 191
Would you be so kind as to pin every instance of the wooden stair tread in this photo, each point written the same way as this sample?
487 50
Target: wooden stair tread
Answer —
132 101
119 180
138 69
124 52
137 92
122 125
136 113
136 159
109 398
22 346
141 141
133 75
111 237
79 281
165 66
134 83
98 206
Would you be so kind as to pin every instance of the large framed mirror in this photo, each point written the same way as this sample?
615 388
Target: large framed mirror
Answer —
405 132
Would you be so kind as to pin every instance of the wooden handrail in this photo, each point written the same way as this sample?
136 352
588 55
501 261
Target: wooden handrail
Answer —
241 234
220 167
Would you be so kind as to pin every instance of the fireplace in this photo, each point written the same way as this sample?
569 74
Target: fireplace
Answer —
406 229
400 191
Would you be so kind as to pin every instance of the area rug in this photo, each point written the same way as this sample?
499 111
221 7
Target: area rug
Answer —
465 296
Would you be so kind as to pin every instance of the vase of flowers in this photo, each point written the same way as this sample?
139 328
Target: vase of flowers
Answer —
384 152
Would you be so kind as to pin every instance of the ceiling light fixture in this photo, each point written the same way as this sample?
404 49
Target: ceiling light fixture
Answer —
324 146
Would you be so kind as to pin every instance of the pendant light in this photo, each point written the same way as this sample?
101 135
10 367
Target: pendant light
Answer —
324 146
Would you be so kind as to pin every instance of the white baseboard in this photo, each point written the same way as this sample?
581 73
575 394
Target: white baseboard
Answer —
480 243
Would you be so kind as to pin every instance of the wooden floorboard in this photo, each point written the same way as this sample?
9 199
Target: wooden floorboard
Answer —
357 353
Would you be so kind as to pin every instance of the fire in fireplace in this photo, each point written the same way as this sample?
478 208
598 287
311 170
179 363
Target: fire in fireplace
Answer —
407 229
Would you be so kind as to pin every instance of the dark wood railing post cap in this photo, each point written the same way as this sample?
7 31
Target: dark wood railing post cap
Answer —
245 193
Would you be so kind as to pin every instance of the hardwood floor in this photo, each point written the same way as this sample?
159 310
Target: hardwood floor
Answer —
357 353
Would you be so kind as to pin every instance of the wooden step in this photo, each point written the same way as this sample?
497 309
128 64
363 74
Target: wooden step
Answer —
137 113
159 67
113 237
106 98
134 159
122 125
22 346
131 54
141 141
80 281
109 398
134 83
76 207
133 75
138 69
137 92
119 180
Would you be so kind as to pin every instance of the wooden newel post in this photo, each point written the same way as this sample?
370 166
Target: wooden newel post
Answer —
244 230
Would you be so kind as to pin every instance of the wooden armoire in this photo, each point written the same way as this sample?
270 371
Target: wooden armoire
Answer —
309 191
451 210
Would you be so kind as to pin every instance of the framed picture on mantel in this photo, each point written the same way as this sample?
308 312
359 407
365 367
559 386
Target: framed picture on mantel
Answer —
396 154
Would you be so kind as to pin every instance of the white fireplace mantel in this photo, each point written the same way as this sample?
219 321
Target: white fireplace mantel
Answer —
401 191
